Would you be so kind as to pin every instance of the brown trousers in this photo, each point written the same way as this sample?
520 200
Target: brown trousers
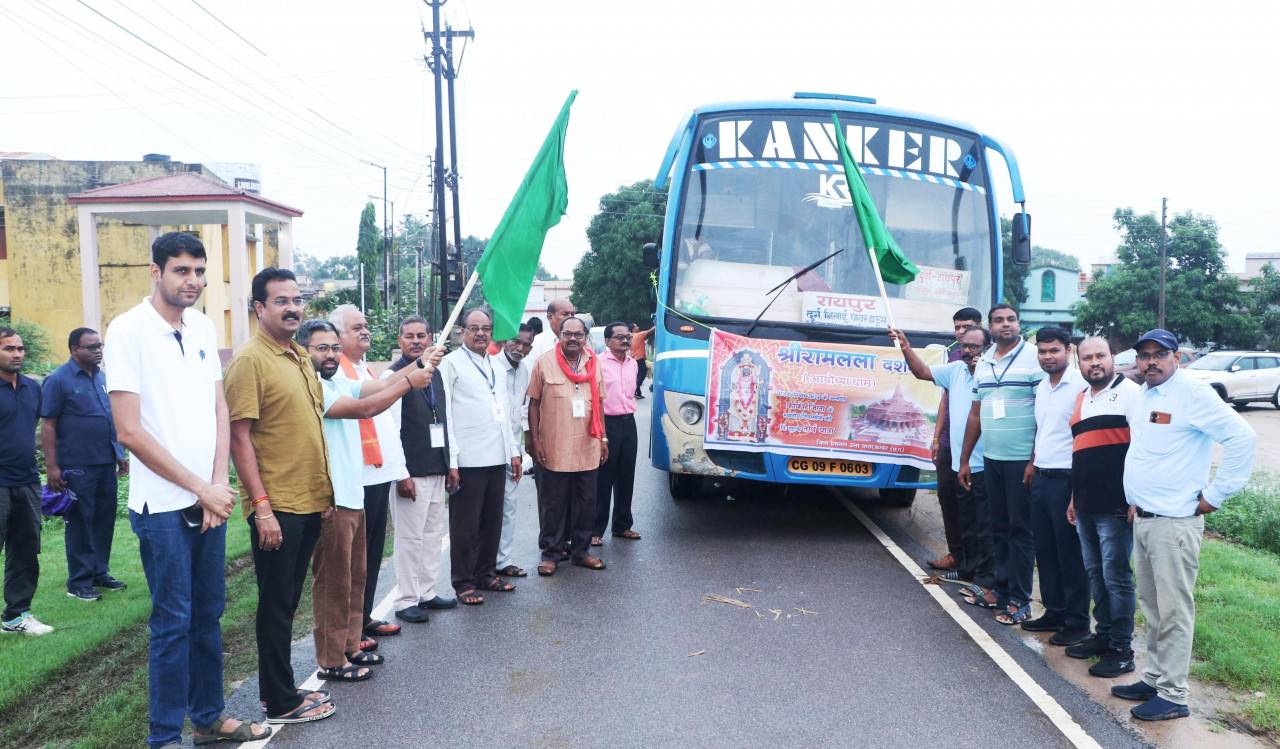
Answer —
337 592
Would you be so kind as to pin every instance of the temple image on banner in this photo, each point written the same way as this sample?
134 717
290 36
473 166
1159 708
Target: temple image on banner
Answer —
744 399
896 420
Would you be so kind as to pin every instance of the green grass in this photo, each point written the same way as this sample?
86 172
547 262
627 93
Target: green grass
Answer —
1237 620
1251 517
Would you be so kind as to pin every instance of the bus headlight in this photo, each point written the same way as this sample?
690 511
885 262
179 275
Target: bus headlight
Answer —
691 412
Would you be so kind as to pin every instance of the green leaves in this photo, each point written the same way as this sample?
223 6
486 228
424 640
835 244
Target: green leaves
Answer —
611 281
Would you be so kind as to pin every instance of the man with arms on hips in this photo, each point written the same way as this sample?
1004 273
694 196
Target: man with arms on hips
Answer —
20 513
418 508
1004 415
276 406
1064 587
81 453
1099 510
1174 425
165 383
514 360
337 594
381 452
481 447
617 476
566 428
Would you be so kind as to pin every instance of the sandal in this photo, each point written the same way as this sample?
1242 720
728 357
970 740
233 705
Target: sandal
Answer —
499 585
345 673
470 598
362 658
590 562
215 733
547 568
597 541
1014 614
628 534
299 713
379 628
368 644
321 695
974 595
512 571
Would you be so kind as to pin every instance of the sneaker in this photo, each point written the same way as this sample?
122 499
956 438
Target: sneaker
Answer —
1046 623
1137 692
1113 664
109 583
1069 636
26 624
84 594
1091 647
1158 708
413 615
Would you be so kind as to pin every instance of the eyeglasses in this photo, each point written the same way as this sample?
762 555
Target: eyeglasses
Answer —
324 348
1162 354
623 338
284 301
479 328
572 336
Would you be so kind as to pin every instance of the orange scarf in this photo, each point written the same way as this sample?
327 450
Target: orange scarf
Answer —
368 433
588 375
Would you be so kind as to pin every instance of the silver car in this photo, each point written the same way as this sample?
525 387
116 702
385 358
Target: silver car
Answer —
1240 376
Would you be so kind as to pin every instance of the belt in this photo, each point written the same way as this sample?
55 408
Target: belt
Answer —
1054 473
619 416
1144 514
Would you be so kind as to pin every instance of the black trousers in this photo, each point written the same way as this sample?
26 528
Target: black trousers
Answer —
281 574
1010 503
20 532
617 476
642 368
947 490
91 523
377 503
973 514
566 513
1064 584
475 526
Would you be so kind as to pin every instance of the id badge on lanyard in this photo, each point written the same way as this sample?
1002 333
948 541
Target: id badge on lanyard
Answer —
997 407
499 416
579 408
437 435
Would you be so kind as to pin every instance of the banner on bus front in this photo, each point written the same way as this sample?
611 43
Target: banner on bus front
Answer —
819 400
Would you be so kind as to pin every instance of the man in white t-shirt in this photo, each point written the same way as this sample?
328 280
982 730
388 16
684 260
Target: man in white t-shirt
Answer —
165 384
557 312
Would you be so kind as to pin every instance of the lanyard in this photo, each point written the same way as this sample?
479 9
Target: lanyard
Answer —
490 379
1012 357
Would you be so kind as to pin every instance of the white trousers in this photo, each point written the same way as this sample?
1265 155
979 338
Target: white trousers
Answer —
508 522
421 525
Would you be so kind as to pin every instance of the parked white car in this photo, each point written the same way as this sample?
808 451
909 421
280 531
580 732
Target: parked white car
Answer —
1240 376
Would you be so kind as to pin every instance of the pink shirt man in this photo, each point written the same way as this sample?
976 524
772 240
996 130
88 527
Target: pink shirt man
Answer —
619 384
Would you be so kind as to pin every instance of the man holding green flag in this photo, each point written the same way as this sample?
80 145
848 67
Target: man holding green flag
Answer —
511 257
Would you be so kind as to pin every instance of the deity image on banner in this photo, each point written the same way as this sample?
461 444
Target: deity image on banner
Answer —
743 403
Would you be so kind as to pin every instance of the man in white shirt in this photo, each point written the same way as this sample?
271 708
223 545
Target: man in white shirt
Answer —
514 360
383 456
558 311
1064 584
165 384
481 446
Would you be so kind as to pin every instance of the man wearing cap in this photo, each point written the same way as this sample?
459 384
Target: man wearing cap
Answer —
1173 426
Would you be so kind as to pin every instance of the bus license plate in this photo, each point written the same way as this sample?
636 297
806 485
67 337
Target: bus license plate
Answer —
829 467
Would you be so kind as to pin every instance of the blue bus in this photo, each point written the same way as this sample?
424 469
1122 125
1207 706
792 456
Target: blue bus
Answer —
756 194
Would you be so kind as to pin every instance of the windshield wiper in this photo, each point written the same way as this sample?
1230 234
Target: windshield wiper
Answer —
782 286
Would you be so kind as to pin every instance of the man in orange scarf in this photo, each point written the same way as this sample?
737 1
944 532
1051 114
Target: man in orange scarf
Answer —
566 425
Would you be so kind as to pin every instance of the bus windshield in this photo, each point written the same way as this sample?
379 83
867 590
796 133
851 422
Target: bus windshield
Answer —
766 196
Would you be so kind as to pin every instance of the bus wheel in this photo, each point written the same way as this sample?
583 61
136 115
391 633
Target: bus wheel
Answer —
684 486
898 497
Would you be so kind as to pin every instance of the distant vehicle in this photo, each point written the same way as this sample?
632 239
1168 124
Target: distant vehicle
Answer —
1127 362
1240 376
596 336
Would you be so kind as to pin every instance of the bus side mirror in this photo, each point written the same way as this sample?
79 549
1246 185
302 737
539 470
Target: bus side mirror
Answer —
650 255
1022 238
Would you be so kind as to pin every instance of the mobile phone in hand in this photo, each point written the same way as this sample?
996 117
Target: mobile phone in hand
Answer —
193 516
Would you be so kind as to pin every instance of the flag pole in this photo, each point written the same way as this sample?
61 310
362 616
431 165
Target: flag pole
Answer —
447 328
884 295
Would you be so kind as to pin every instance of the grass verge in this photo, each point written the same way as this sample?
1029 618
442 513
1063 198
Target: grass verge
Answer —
1251 517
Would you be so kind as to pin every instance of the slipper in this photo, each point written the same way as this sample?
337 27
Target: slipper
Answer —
298 714
470 598
499 585
512 571
597 541
345 673
628 534
590 562
547 568
321 695
379 628
368 644
241 733
366 659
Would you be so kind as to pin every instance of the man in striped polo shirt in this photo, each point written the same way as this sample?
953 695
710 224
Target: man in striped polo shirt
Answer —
1099 510
1004 415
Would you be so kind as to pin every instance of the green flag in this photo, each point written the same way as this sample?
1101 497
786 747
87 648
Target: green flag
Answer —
894 266
511 257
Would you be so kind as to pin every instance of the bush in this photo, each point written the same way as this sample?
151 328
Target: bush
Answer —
40 358
1251 517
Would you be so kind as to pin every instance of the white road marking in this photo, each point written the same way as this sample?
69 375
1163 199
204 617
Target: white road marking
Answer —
314 682
1047 704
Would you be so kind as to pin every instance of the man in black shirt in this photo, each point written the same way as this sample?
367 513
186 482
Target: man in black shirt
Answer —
418 509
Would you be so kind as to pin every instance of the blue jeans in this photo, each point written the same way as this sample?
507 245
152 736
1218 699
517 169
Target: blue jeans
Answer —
185 573
1106 542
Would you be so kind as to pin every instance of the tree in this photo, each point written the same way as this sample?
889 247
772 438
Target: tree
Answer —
1015 275
611 281
1042 257
369 253
1264 306
1203 302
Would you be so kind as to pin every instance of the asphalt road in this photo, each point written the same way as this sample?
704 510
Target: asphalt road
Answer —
634 656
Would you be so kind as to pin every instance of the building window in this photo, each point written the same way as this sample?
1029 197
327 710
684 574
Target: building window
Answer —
1048 286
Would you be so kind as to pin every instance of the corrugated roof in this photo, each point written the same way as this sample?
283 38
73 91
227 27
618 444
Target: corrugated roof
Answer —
186 187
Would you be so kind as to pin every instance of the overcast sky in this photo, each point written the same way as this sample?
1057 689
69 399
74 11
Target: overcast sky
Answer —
1106 104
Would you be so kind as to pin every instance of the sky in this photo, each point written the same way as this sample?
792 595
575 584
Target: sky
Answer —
1106 104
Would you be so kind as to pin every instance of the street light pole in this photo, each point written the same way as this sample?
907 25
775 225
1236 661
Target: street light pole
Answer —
1164 208
386 255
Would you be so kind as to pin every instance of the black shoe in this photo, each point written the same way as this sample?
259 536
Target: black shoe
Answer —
84 594
1046 623
109 582
1069 636
413 615
1113 664
439 603
1138 692
1158 708
1091 647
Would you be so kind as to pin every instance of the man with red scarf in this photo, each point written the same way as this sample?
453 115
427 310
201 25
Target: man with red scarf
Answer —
566 426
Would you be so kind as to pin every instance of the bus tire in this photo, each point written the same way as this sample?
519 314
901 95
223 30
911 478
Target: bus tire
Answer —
898 497
683 486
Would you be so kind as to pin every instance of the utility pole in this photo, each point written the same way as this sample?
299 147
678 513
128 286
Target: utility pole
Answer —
451 73
1164 210
386 254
